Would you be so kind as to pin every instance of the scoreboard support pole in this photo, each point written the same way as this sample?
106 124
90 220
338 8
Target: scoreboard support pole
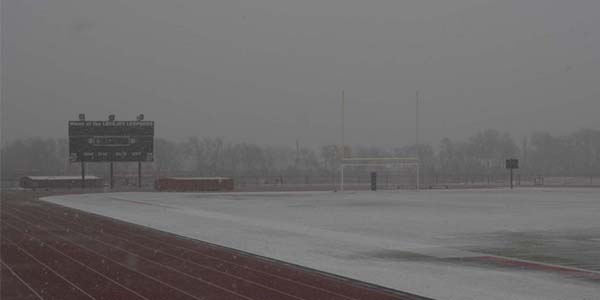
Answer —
82 173
139 174
112 178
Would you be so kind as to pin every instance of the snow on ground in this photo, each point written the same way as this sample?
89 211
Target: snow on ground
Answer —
407 240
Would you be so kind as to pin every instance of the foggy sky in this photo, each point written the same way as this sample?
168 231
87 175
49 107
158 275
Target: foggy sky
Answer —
272 71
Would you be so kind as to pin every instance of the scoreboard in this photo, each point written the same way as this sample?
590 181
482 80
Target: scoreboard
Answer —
106 141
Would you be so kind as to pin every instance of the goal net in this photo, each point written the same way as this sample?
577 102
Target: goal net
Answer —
392 172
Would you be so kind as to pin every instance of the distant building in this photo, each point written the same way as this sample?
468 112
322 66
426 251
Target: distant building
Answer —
59 182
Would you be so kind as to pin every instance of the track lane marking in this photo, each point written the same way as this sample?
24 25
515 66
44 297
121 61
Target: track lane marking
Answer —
20 279
211 268
116 262
77 261
146 259
47 267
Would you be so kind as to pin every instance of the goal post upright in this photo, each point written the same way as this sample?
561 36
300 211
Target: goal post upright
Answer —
374 161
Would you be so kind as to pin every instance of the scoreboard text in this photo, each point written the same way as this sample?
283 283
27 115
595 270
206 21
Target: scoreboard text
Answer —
105 141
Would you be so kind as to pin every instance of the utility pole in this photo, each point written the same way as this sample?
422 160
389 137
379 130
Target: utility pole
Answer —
343 124
342 148
297 162
417 148
417 122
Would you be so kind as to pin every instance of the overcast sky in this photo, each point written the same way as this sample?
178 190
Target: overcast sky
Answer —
272 71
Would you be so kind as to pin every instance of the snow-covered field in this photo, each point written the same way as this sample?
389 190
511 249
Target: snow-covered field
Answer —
420 242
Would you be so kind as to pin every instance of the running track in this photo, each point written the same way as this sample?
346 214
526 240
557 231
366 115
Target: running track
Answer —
53 252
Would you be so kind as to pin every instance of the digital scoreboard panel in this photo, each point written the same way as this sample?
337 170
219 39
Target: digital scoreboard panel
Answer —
106 141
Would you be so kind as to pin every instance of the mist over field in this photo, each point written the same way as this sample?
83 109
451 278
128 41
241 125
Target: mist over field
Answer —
300 149
478 159
271 72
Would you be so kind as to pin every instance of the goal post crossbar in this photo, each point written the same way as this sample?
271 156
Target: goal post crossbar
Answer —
382 159
378 165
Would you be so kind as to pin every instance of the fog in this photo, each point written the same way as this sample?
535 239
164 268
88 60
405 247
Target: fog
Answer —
272 72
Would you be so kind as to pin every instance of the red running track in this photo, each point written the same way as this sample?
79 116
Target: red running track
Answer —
53 252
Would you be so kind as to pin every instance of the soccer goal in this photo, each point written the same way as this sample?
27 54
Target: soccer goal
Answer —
385 165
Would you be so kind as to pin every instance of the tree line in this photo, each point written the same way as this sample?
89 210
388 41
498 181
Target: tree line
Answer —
541 153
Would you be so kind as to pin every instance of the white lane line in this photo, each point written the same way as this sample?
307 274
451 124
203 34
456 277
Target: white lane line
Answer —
48 267
20 279
84 265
